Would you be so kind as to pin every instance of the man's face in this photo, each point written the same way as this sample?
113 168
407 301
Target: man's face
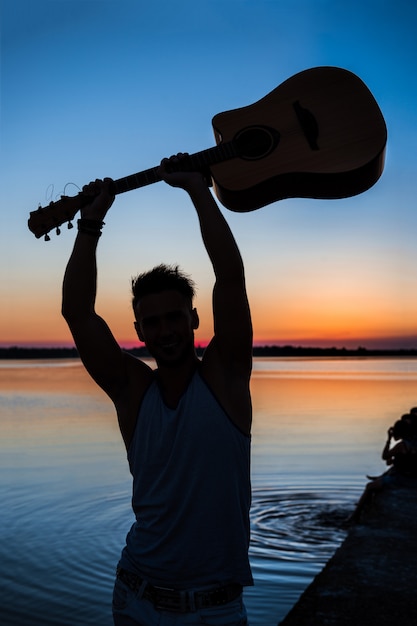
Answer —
165 322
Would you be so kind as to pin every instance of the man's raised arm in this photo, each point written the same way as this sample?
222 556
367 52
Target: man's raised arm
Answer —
96 345
231 348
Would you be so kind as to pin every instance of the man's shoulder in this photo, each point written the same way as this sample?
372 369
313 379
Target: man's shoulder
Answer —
139 376
229 381
230 365
138 372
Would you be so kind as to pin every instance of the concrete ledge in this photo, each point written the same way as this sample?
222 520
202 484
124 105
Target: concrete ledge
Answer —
372 578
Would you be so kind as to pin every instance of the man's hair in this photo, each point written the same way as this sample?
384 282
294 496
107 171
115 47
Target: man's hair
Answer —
162 278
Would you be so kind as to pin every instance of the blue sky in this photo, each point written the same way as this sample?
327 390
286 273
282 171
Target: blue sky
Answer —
103 88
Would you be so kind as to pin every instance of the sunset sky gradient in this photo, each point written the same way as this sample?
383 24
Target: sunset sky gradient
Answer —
94 88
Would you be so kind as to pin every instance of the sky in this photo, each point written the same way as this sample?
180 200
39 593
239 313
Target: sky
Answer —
94 88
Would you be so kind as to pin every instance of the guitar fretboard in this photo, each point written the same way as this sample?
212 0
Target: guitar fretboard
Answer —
199 161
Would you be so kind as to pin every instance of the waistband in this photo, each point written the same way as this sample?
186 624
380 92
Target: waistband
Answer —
176 600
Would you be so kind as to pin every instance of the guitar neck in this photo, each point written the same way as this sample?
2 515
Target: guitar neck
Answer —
199 161
63 210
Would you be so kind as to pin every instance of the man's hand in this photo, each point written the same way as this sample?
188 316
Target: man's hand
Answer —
101 199
174 172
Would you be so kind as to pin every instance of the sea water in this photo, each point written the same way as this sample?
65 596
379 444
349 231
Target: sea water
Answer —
319 427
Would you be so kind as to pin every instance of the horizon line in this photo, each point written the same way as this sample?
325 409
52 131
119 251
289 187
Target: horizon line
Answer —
387 342
55 346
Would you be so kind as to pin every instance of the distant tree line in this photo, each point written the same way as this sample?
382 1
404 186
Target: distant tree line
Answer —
17 352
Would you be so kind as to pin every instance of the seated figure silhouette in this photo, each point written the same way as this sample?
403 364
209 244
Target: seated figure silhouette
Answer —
401 457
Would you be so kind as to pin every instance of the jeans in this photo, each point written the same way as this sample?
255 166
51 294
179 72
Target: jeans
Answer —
130 609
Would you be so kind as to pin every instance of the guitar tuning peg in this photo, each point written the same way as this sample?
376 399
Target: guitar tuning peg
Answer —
70 225
58 230
47 237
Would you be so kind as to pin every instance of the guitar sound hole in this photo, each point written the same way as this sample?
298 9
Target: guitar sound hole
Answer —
256 142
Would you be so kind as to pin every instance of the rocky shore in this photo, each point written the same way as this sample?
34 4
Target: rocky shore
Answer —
371 579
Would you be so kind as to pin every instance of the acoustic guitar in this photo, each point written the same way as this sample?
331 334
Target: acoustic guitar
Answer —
320 134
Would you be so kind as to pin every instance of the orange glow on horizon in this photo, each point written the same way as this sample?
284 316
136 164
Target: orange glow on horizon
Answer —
307 321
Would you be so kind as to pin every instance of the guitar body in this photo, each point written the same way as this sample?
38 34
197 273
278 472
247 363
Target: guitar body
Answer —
320 134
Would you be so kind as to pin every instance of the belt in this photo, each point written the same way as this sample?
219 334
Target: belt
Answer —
177 600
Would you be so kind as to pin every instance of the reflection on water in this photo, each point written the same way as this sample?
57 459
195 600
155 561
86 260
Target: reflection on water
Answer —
331 367
319 426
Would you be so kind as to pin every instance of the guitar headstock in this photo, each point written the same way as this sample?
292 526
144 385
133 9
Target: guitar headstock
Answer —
45 219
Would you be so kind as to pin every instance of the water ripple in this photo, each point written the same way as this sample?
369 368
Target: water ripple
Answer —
298 524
